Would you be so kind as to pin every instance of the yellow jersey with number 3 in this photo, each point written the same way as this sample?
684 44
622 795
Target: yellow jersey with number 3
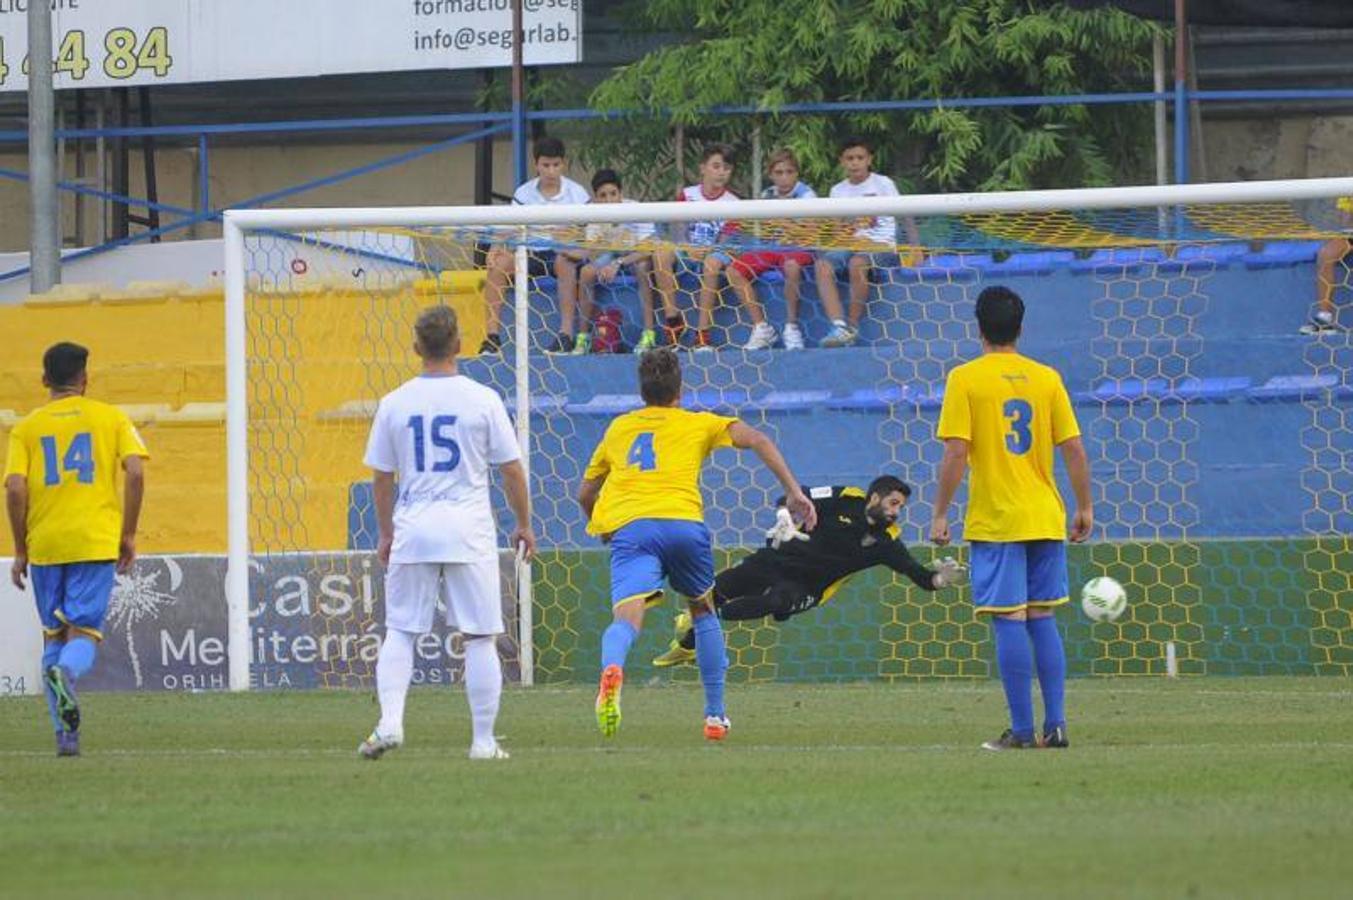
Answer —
1013 411
70 451
651 459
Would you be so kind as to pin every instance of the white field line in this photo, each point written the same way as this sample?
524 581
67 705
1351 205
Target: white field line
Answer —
454 754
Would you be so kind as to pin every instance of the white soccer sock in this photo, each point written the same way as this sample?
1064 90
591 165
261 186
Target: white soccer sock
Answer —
483 686
394 670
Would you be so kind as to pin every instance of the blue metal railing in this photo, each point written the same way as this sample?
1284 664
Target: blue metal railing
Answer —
494 123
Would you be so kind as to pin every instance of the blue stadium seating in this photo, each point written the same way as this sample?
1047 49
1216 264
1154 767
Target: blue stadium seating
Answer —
1200 404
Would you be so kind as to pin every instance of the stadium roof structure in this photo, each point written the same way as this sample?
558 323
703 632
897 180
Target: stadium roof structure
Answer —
1271 13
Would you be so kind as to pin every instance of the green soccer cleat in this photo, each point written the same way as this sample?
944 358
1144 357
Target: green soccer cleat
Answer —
582 344
676 655
608 700
67 706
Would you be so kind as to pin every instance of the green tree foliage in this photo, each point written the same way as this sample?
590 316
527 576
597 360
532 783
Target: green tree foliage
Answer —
768 53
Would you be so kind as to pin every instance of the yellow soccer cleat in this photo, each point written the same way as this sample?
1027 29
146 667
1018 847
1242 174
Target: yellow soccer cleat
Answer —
677 655
608 700
682 624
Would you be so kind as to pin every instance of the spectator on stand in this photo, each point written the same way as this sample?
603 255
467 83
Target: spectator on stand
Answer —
613 249
700 251
874 243
549 187
785 185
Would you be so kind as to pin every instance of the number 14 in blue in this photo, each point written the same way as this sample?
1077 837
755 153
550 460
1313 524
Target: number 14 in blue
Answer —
79 459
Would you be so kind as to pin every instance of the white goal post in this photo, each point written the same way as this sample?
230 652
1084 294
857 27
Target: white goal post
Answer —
238 223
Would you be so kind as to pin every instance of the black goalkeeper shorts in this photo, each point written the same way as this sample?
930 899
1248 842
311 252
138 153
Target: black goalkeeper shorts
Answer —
751 591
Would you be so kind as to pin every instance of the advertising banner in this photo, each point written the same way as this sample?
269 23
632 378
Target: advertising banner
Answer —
122 43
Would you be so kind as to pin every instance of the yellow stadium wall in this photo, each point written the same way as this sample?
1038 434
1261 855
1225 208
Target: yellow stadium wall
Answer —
154 352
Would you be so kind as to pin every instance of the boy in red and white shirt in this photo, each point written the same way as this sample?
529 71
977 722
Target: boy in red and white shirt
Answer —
716 167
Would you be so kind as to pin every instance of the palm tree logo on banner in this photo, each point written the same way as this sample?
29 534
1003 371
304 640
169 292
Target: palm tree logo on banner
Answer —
137 597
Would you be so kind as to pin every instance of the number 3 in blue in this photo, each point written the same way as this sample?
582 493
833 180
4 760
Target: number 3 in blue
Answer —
1019 439
642 453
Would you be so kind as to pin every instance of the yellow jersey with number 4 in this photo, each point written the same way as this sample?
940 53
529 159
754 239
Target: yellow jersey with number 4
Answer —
651 459
1013 411
70 451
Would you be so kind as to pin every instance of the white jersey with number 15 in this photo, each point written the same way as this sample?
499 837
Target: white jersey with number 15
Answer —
439 436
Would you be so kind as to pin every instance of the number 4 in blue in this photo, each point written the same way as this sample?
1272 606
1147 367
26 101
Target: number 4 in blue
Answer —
79 459
642 453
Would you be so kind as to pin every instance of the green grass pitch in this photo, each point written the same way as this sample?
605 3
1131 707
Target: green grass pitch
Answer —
1190 788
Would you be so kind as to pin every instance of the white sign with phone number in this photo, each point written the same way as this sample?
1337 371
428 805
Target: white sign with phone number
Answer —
120 43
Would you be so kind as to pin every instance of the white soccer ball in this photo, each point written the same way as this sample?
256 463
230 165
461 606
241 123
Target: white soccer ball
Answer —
1103 599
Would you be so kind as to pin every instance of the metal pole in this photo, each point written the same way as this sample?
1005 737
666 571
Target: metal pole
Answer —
483 150
237 461
1181 94
518 97
44 244
1158 84
522 358
203 175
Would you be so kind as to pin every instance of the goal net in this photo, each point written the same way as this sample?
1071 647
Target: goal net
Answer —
1219 436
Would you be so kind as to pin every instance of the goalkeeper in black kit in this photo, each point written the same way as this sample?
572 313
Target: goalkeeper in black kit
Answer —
795 572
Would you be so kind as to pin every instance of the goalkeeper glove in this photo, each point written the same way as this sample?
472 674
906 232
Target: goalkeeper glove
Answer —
784 530
949 573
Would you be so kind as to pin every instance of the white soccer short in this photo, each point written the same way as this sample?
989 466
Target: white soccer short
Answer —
471 593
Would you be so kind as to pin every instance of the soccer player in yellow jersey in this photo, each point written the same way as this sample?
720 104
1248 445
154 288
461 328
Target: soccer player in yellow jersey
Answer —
61 494
1002 415
641 494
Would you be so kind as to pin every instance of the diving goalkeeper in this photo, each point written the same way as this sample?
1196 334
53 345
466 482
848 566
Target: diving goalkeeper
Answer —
795 572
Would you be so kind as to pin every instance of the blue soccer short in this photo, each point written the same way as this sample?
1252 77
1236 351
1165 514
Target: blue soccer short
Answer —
647 552
73 594
1010 576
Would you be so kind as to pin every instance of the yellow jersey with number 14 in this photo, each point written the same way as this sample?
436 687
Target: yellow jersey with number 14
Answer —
1013 411
651 459
70 451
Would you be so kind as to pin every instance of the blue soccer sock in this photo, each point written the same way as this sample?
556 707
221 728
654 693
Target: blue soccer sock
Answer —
712 660
51 652
616 642
1050 659
1014 659
77 657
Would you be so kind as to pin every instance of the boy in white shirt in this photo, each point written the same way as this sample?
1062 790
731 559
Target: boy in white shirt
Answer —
874 243
550 186
618 247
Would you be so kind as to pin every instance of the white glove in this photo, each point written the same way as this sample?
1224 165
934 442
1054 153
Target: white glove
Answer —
949 573
784 530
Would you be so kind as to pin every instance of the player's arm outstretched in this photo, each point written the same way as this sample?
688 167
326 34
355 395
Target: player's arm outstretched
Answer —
745 437
947 573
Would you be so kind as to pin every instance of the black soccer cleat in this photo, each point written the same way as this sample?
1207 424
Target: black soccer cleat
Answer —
1055 738
1009 741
